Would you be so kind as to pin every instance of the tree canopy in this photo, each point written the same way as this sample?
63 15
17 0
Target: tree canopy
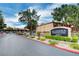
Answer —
30 17
67 14
2 25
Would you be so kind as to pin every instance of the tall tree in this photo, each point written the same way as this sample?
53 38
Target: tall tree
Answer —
2 25
30 17
67 14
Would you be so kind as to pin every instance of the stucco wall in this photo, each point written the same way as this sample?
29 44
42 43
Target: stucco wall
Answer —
45 27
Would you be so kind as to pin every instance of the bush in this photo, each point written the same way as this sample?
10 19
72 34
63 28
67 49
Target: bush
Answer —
42 38
75 38
61 38
38 34
68 39
48 36
52 42
74 46
32 36
58 37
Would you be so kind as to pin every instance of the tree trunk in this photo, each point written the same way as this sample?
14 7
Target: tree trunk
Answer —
31 31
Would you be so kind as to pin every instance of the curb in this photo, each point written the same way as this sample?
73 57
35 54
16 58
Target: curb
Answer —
65 49
73 51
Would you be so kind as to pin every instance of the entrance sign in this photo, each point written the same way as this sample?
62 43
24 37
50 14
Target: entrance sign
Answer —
61 31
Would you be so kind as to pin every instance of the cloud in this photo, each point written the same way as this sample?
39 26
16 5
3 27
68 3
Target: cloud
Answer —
45 20
43 10
37 7
13 22
44 13
53 6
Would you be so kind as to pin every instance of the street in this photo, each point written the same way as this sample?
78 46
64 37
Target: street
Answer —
18 45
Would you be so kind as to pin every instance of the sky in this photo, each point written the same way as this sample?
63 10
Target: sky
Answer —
10 12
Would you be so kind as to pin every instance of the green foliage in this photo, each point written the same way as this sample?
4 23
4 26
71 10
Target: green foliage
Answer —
42 38
68 39
61 38
38 33
30 17
74 38
52 42
2 25
74 46
67 14
32 36
48 36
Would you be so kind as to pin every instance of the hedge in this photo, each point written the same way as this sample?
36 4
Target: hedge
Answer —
75 38
61 38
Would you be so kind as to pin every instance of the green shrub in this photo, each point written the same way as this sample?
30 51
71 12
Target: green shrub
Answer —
48 36
74 46
32 36
38 34
42 38
68 39
75 38
57 37
61 38
52 42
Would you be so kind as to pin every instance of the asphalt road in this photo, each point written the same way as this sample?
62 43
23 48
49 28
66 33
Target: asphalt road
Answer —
18 45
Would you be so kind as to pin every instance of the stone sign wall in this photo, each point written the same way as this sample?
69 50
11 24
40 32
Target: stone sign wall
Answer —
61 31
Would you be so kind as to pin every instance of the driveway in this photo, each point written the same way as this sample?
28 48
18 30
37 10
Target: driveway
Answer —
18 45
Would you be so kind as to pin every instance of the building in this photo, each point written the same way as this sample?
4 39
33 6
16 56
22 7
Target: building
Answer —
43 28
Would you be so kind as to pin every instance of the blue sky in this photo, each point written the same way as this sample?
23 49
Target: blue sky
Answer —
10 12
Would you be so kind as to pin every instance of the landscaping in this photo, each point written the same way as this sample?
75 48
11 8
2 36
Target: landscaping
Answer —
59 41
74 46
42 38
52 42
60 31
63 38
75 38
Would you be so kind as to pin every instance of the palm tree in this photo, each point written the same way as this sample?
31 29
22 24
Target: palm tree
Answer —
30 17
